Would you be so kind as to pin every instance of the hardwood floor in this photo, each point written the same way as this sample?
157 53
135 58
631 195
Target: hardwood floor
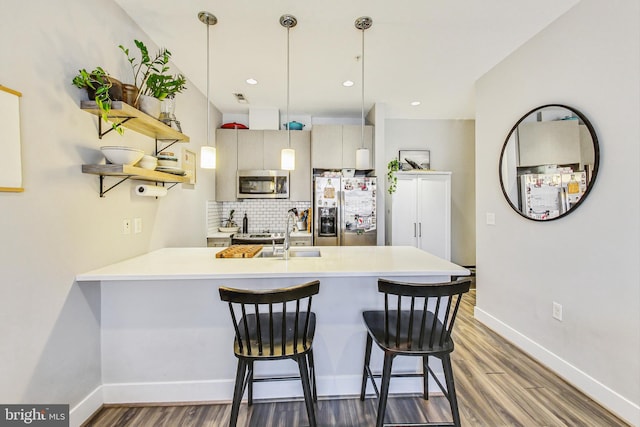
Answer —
497 385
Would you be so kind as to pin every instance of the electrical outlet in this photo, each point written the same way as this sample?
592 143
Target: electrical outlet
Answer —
137 225
491 218
557 311
126 226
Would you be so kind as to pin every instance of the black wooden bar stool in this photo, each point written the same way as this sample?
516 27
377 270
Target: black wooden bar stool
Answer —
273 324
423 328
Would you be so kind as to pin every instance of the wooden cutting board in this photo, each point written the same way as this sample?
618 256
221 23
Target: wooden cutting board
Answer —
239 251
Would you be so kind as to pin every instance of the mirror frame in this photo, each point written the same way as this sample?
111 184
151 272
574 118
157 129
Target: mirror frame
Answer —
596 164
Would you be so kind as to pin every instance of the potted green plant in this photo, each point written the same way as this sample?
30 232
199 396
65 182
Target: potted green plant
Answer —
103 89
142 69
165 87
392 167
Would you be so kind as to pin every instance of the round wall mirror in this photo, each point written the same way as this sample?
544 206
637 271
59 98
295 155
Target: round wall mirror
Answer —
549 162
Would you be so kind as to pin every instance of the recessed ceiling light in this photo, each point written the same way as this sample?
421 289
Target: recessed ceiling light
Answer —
347 83
415 103
252 81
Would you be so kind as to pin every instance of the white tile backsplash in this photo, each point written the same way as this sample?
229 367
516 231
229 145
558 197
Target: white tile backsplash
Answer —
263 214
214 216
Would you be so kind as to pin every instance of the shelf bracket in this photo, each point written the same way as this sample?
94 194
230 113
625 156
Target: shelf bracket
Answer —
165 141
101 134
103 191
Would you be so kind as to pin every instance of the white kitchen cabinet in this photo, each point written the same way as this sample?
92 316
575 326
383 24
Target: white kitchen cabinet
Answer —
218 242
300 182
273 143
226 164
334 146
258 150
352 141
420 212
251 150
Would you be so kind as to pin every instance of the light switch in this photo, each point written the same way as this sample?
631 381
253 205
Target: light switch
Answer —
137 225
491 218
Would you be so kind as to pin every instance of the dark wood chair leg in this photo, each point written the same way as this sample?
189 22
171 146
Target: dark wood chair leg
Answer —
451 389
367 359
306 389
384 388
250 383
312 371
425 374
237 392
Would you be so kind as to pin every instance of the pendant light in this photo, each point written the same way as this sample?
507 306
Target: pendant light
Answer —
207 152
288 155
362 153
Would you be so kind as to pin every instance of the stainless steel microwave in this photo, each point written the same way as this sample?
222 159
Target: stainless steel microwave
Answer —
263 184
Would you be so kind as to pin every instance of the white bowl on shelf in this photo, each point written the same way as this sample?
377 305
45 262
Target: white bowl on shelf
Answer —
228 229
122 155
148 162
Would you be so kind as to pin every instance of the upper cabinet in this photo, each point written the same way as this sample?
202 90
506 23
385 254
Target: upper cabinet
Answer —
260 150
226 164
334 146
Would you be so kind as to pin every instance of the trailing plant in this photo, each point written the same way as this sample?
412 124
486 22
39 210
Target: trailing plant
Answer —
98 81
143 68
392 167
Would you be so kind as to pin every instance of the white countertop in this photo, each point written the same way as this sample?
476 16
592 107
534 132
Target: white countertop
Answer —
335 261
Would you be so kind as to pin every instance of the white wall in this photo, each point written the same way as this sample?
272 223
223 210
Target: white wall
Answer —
60 226
589 260
451 146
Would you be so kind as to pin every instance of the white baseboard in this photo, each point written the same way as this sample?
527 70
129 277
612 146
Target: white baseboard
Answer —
607 397
87 407
222 390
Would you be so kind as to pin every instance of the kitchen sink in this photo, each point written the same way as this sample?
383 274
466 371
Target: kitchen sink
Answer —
292 254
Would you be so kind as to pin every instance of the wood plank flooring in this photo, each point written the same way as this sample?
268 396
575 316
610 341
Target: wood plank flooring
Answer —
497 385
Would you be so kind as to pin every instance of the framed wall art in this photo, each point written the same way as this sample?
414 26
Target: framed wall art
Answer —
414 159
10 148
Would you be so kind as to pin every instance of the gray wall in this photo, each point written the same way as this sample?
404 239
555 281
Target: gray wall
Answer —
588 261
451 145
59 226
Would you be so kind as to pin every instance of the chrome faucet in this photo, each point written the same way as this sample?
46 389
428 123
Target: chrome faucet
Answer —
287 234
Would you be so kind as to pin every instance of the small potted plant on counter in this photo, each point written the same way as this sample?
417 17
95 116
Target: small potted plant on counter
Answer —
230 225
103 89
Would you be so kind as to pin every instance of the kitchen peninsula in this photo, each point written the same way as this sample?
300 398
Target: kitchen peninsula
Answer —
167 337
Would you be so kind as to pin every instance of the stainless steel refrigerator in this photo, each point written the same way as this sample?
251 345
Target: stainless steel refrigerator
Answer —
546 196
344 211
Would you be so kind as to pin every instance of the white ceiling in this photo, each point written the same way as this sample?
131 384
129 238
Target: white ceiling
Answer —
426 50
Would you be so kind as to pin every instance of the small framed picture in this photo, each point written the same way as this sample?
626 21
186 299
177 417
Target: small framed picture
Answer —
414 159
189 165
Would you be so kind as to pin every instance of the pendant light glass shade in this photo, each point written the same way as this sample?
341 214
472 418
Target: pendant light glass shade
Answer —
208 153
362 153
288 159
362 158
288 155
207 157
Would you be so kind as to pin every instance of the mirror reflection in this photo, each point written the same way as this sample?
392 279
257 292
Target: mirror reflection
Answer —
549 162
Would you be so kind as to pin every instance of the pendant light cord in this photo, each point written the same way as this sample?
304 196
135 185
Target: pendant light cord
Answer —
208 102
288 98
362 88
